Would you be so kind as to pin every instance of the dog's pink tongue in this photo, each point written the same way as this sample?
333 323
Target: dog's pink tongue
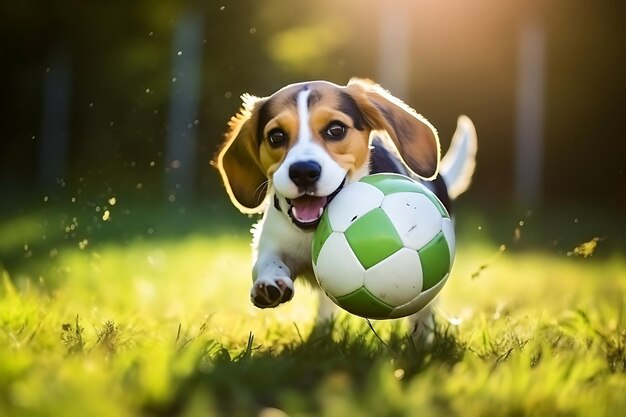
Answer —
307 209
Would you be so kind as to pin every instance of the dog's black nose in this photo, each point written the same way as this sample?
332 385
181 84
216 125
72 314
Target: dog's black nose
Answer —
305 173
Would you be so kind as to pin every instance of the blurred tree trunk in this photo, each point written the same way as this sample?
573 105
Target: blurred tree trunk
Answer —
184 100
54 143
530 109
393 59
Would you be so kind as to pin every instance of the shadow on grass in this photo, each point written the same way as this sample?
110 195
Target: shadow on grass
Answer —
349 360
554 229
42 232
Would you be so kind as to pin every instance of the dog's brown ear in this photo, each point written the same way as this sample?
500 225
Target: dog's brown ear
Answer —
414 137
238 159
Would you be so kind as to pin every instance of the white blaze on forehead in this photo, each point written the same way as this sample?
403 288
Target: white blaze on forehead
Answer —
304 134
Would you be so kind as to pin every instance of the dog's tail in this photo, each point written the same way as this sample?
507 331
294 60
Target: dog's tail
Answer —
458 164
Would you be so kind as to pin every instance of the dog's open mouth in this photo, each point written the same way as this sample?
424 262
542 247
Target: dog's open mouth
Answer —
306 211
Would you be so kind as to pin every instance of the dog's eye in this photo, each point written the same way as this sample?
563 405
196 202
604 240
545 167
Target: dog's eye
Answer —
335 131
276 138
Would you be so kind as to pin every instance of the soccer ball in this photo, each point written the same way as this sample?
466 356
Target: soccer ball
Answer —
384 247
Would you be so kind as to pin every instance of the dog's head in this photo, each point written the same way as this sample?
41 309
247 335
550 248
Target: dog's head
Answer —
308 139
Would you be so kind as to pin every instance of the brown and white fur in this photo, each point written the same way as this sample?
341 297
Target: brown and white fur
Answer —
288 154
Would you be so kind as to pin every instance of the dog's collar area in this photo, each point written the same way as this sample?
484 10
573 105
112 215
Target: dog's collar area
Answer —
306 211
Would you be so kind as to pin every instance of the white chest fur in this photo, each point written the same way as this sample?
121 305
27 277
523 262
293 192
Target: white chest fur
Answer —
276 236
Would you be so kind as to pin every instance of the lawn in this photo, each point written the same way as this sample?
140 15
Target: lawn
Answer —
145 312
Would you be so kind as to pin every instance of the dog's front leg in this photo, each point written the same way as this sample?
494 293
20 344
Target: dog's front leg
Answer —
275 263
272 281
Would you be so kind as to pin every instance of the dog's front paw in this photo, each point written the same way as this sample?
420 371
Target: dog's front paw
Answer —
270 292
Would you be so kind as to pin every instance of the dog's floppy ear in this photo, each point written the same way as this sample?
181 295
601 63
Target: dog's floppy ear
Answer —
238 159
414 137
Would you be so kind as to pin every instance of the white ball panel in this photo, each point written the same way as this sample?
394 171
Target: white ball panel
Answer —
338 269
419 302
448 232
352 202
397 279
415 217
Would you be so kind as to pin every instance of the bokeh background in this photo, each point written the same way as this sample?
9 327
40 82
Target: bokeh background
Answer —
131 99
125 271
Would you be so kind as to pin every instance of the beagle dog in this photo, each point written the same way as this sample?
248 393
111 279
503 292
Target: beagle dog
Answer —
289 154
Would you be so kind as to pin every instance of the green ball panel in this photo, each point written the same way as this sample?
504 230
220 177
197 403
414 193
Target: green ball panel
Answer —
322 232
362 303
392 183
373 238
447 227
435 258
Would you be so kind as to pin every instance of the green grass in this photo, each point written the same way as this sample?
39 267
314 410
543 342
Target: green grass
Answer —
139 323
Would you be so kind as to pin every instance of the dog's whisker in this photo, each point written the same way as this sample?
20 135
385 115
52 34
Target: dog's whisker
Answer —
262 189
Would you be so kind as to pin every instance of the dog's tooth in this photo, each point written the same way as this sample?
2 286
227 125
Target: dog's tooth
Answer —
321 211
294 212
